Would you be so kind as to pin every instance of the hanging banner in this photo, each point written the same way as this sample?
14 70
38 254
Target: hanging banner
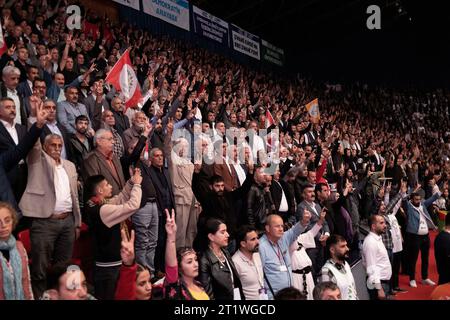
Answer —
175 12
271 53
129 3
210 26
245 42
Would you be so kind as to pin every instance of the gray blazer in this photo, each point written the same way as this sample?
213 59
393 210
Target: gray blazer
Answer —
38 200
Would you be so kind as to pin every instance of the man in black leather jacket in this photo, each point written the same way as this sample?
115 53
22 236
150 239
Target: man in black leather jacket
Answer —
259 201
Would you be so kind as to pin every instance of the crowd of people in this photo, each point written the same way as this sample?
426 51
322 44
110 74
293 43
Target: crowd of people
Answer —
220 186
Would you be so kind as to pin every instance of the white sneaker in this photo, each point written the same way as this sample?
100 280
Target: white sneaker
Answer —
428 282
413 284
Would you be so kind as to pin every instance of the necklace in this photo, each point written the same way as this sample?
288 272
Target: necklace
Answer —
219 257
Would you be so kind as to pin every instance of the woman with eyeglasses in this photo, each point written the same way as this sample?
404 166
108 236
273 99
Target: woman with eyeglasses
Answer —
14 272
181 268
218 274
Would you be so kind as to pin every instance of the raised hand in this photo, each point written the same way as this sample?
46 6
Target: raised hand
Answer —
389 187
11 50
137 177
170 125
41 115
323 214
34 102
91 68
127 247
148 128
171 226
306 217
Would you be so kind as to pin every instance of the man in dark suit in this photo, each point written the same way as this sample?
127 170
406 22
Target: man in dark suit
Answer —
39 90
11 134
160 179
102 161
122 121
25 88
12 156
282 196
375 158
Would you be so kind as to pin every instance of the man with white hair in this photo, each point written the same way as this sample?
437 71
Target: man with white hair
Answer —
51 200
181 170
133 133
8 88
102 161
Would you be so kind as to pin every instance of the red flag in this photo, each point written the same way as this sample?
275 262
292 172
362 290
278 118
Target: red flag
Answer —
269 119
123 78
3 46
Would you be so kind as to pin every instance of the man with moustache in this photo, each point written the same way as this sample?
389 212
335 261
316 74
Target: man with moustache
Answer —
122 121
248 264
11 134
157 137
81 144
136 129
337 270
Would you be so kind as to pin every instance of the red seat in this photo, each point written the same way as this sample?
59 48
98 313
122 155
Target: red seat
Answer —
79 250
24 237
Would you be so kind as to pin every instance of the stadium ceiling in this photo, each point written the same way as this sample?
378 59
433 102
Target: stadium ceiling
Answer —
413 35
286 23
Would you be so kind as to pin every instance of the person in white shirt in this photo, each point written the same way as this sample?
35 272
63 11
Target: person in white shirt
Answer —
337 270
51 201
302 278
376 260
248 264
256 142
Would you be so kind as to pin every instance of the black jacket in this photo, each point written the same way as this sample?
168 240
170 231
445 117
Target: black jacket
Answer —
259 206
153 177
17 176
79 152
221 207
216 278
122 122
10 158
276 192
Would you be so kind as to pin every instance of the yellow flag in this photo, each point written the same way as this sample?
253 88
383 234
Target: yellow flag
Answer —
313 110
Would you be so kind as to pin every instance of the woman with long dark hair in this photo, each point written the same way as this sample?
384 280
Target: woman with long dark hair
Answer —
217 271
181 268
